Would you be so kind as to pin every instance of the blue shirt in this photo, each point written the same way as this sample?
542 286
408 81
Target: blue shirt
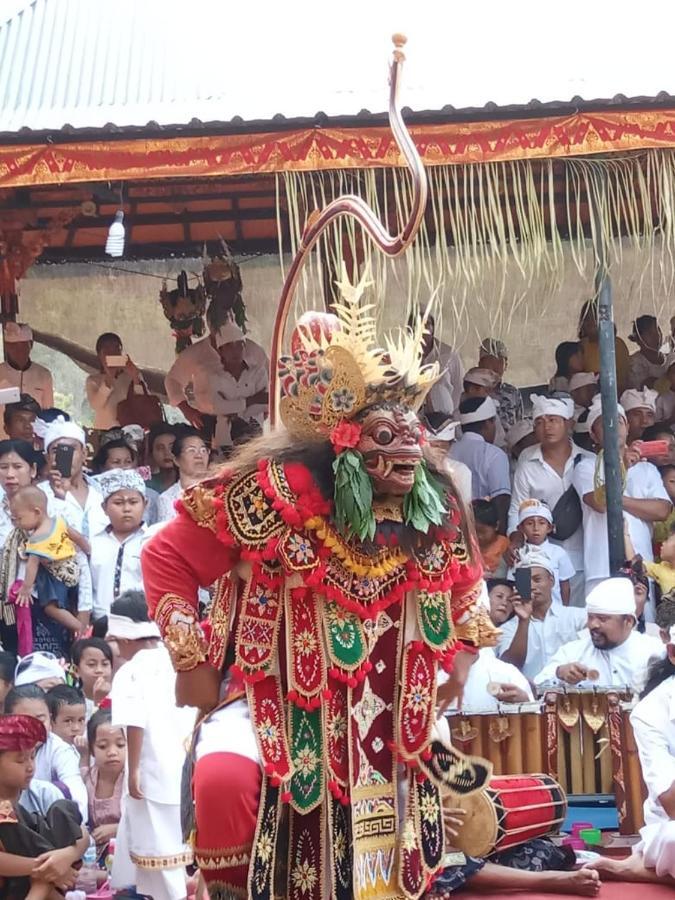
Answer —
490 473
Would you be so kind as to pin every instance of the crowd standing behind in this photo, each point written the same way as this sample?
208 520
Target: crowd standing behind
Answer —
81 659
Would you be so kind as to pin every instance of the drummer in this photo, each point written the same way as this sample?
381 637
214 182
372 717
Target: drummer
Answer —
610 652
653 721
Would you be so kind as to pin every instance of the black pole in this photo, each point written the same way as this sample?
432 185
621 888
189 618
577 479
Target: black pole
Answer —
608 392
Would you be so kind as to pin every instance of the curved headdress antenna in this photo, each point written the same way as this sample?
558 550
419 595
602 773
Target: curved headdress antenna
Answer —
353 206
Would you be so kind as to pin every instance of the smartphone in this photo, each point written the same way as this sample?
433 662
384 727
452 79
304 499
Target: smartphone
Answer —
63 460
116 362
654 449
10 395
524 583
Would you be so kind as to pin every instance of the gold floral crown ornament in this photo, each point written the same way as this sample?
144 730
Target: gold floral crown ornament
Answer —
337 369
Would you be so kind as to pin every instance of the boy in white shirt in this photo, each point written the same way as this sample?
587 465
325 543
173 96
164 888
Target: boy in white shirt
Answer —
144 704
535 523
116 551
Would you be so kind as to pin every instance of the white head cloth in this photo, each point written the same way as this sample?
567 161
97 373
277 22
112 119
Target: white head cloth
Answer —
40 428
645 399
229 333
532 557
59 428
17 333
612 597
581 379
120 480
521 429
595 411
487 410
672 635
445 432
41 667
482 377
125 629
552 406
530 508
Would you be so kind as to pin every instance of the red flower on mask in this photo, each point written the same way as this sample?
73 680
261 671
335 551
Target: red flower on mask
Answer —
345 436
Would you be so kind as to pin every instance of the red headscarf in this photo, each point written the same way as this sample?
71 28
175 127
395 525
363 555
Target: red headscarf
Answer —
21 732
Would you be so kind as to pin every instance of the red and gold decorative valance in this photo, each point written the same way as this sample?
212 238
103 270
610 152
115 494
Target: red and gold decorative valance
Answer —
317 149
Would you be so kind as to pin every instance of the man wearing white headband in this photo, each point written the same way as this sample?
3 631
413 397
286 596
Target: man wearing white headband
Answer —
611 652
39 668
75 497
544 472
645 501
143 702
489 465
441 435
583 387
640 409
538 628
653 721
19 371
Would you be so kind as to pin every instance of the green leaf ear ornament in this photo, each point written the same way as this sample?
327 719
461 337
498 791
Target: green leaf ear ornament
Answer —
353 496
424 506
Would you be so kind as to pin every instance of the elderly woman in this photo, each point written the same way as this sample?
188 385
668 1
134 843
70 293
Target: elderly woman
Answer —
19 465
191 457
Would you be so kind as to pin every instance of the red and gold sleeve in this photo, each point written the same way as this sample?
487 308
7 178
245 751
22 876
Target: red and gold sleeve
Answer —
471 617
176 562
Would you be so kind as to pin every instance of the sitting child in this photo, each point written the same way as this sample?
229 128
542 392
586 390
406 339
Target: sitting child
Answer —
492 545
66 708
93 659
51 570
105 778
535 523
39 852
55 761
500 592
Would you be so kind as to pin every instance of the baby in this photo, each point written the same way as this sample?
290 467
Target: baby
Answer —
51 567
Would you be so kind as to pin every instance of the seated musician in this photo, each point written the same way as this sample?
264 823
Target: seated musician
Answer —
539 627
653 721
610 652
492 681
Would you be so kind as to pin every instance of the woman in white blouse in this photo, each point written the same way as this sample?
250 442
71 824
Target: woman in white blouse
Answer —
191 456
107 388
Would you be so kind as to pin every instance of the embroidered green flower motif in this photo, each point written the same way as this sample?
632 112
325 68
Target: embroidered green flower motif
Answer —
306 761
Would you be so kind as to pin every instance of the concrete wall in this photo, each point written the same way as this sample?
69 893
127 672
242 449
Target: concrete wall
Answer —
79 301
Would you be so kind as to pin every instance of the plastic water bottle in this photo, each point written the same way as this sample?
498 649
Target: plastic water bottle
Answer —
110 855
87 880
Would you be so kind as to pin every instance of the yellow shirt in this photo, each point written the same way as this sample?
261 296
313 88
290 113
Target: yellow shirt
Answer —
664 573
56 546
591 352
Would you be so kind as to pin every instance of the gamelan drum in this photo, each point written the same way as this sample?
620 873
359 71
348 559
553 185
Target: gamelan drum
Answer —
512 810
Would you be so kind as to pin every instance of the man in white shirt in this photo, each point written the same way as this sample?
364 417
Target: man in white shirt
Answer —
20 372
491 682
640 409
645 501
187 382
238 389
611 653
538 629
441 433
653 721
544 472
490 477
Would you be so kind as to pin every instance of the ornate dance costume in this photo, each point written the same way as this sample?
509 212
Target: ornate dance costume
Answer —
346 579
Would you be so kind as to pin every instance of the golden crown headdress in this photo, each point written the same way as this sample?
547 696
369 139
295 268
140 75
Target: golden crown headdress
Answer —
336 368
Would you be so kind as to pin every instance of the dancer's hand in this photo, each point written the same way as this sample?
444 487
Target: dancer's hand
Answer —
200 687
453 689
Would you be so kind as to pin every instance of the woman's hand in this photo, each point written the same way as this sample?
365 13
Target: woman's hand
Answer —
24 596
102 688
104 833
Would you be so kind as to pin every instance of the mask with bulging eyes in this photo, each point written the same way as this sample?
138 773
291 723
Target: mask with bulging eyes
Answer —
390 443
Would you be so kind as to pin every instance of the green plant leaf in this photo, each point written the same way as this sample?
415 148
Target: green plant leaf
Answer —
423 506
353 496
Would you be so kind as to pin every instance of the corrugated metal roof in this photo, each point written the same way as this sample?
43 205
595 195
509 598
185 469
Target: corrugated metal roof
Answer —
101 65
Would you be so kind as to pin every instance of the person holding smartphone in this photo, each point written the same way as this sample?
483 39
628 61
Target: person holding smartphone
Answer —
110 385
538 627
